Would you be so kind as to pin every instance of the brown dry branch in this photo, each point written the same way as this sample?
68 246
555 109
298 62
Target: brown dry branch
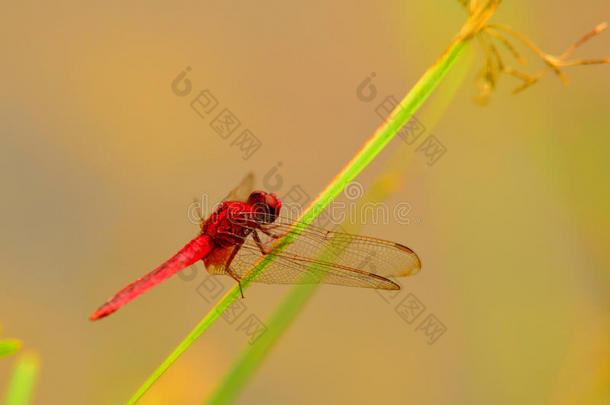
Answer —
489 35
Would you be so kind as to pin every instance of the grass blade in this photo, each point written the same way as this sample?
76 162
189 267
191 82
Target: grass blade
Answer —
9 346
294 302
22 382
384 134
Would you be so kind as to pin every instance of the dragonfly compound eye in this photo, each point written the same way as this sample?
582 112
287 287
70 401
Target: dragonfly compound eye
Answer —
274 206
265 206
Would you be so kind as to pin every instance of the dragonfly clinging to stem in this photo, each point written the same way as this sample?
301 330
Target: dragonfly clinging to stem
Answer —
233 238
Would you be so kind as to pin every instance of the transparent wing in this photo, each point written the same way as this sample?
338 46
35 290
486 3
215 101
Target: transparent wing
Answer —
379 256
289 268
243 189
240 193
321 256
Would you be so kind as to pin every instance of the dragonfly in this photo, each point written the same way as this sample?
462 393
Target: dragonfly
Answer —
246 226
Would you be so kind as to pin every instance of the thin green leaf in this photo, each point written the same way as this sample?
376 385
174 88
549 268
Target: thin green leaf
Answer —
294 302
9 346
23 380
375 144
384 134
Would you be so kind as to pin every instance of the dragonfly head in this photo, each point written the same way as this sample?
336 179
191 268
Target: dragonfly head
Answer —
266 206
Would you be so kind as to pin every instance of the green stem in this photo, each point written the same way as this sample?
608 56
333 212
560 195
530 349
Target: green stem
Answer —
245 365
21 386
384 134
9 346
286 312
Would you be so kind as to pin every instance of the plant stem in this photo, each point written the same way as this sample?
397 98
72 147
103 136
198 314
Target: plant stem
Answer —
384 134
284 315
9 346
21 385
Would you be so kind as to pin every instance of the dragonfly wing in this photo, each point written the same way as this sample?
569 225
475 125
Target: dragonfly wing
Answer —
378 256
371 255
289 268
243 189
320 256
195 250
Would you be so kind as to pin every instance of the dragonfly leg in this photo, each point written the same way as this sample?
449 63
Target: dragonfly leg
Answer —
230 273
259 242
199 216
270 234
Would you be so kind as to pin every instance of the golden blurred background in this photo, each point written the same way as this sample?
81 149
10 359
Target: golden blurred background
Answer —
101 160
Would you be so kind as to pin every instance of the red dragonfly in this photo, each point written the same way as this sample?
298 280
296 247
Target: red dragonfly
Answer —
240 230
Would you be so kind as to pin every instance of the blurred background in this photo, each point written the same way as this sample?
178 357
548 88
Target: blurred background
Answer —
101 157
